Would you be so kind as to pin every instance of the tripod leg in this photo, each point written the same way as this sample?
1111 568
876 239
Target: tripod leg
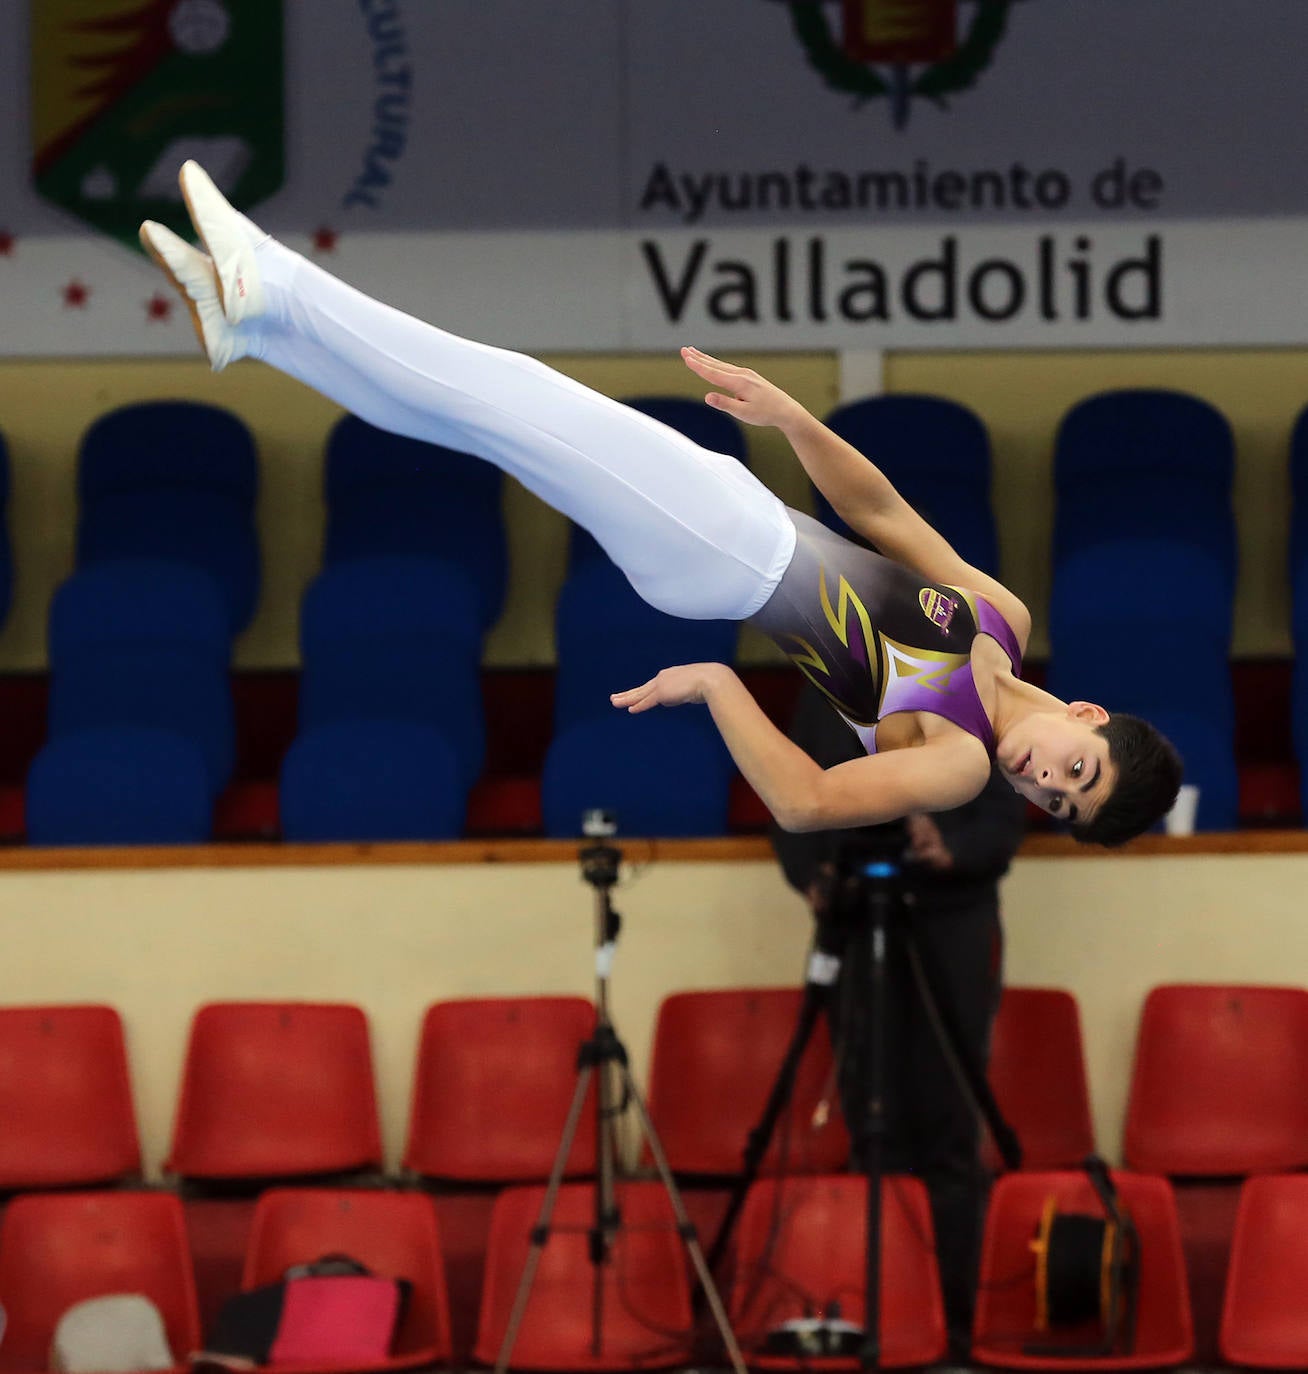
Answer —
606 1220
778 1099
875 1129
540 1232
685 1227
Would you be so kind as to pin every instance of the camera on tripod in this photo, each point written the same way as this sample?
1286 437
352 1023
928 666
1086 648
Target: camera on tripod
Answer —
872 845
867 861
599 861
604 1066
598 822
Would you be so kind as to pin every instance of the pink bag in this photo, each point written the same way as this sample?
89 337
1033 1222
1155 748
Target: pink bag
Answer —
336 1319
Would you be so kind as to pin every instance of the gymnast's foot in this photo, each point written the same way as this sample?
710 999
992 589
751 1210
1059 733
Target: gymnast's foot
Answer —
192 273
230 239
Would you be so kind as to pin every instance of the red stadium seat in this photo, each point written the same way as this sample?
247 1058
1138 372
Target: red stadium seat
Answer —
276 1090
716 1056
1006 1297
1220 1084
1037 1072
802 1248
645 1287
65 1099
394 1234
58 1249
1264 1318
492 1087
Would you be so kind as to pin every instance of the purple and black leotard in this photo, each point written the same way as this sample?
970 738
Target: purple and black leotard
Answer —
875 638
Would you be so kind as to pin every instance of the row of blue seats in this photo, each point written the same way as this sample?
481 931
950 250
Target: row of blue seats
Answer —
1144 519
179 479
391 733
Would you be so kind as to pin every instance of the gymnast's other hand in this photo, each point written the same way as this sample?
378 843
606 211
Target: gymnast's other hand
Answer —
690 682
744 393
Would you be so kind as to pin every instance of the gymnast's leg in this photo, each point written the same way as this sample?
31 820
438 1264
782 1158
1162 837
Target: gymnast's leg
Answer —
697 535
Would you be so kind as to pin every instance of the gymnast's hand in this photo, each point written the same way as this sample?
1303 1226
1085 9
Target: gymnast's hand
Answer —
744 393
690 682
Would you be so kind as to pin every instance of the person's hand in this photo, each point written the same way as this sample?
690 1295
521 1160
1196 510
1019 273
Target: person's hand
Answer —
690 682
926 845
819 891
744 393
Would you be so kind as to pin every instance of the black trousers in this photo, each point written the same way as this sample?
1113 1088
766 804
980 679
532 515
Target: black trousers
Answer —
931 1128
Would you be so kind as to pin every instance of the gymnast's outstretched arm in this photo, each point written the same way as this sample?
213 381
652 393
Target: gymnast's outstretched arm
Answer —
861 494
937 776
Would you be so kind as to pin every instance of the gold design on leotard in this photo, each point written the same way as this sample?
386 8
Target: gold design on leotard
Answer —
929 668
838 618
810 662
806 656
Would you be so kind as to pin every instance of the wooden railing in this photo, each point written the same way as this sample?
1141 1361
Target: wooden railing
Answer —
752 848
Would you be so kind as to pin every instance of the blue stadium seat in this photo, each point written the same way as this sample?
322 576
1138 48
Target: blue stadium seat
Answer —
1144 568
175 480
124 784
388 495
936 452
144 643
372 780
152 444
1144 583
608 639
710 429
664 772
395 639
1141 464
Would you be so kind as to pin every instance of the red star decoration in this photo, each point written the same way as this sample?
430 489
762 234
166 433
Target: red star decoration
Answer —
76 294
324 240
6 243
159 307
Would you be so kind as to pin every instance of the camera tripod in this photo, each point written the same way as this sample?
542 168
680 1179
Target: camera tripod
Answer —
873 871
603 1058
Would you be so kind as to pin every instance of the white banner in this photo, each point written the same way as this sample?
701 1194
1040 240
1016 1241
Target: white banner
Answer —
941 288
627 174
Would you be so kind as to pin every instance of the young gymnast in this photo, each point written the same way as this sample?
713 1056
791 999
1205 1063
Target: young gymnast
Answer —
918 650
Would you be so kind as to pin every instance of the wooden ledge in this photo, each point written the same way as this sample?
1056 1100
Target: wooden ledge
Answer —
731 849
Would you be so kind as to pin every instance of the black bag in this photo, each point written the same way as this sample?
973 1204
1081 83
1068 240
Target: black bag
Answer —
333 1309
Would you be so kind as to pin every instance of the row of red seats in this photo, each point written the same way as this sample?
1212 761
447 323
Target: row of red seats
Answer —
799 1250
60 1248
278 1090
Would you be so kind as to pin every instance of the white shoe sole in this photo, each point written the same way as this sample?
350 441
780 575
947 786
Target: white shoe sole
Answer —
224 234
194 279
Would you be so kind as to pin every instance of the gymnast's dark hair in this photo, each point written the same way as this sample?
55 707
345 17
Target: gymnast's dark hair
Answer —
1148 779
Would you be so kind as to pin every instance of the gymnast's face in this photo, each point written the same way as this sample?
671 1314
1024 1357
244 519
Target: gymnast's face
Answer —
1057 760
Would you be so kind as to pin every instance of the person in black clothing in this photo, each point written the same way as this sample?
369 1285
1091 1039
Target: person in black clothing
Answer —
952 862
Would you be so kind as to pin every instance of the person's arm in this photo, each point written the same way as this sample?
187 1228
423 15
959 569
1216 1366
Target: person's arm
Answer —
828 740
799 792
858 490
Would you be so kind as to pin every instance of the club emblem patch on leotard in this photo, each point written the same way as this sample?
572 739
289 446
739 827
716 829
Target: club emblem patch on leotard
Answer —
938 607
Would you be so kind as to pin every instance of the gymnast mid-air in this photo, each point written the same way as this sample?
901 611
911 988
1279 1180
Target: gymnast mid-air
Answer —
919 651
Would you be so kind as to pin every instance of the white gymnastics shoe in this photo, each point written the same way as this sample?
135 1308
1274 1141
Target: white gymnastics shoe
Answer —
230 239
194 277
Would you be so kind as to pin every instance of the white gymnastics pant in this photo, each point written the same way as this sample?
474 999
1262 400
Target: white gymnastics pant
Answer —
695 532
